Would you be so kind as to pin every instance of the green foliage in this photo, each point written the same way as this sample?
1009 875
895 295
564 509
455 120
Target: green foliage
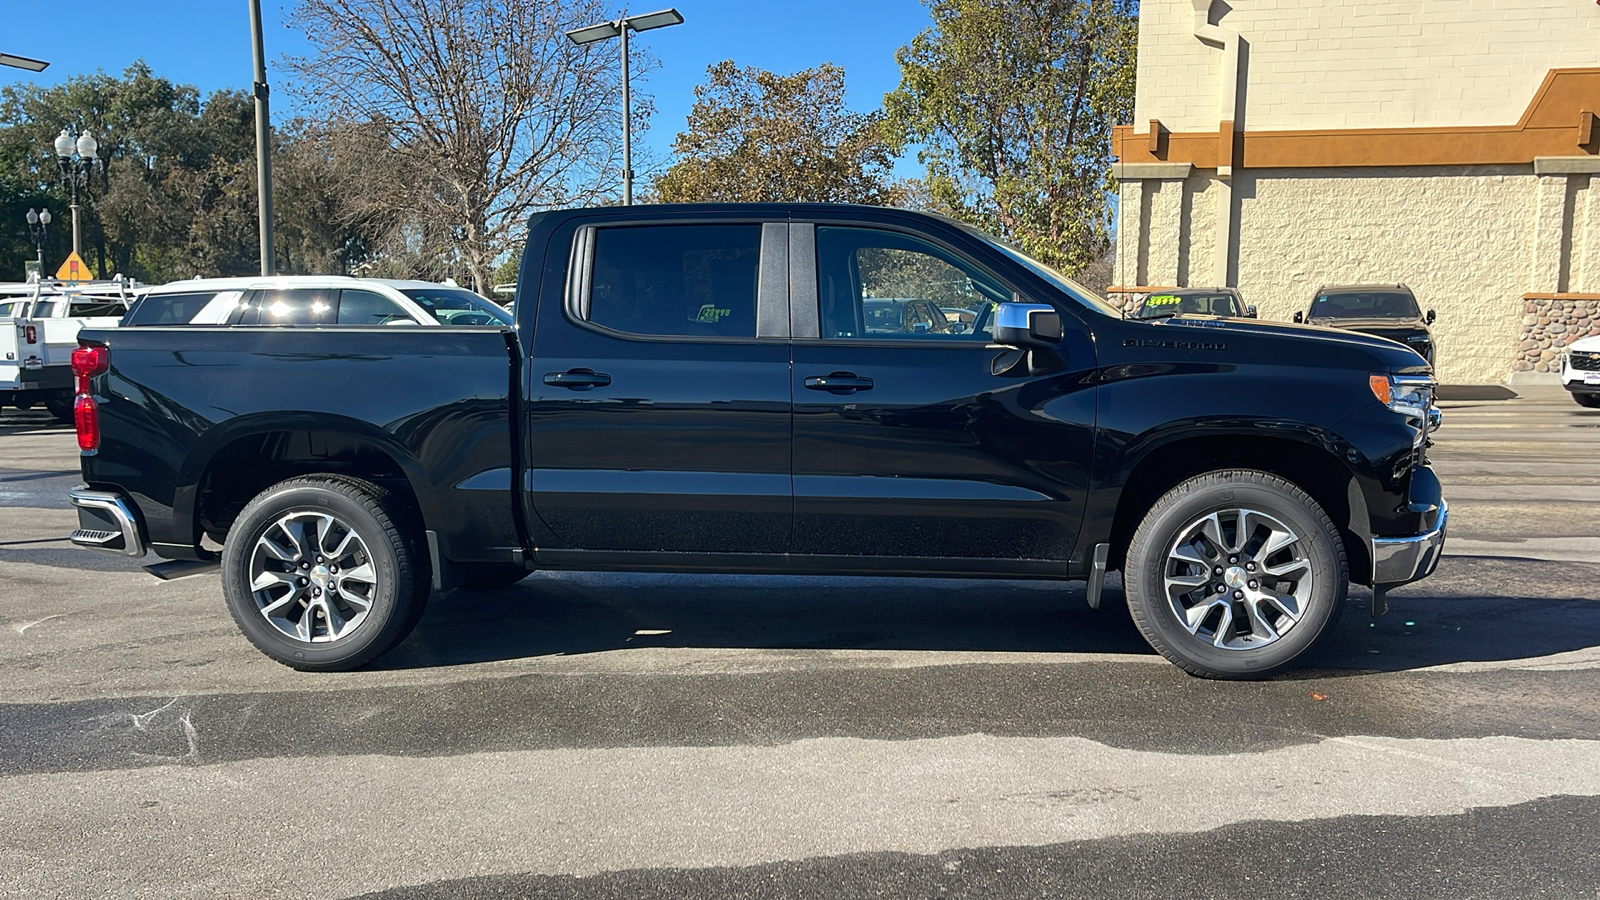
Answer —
754 136
176 197
1012 104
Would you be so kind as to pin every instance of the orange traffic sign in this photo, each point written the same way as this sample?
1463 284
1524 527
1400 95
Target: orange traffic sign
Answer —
74 269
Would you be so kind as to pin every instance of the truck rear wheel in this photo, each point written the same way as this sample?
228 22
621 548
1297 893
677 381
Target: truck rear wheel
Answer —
1235 574
324 573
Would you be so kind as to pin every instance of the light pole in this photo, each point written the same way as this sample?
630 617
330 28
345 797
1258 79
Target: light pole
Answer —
77 160
269 261
620 28
39 230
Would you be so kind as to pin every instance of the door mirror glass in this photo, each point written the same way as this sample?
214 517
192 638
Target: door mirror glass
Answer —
1027 325
1430 317
1299 317
1250 311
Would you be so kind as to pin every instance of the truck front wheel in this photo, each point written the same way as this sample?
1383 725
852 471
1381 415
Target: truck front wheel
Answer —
1234 574
324 573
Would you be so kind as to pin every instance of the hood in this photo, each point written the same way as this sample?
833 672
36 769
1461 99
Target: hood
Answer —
1589 344
1319 333
1372 325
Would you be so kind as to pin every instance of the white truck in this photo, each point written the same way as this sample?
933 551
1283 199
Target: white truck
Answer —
39 325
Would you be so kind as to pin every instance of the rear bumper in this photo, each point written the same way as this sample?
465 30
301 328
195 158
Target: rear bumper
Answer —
1399 560
106 521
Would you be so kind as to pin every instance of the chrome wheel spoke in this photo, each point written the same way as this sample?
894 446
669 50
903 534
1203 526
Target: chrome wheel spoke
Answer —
361 574
269 578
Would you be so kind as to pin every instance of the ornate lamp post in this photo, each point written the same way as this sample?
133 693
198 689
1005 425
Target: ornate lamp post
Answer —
77 161
39 230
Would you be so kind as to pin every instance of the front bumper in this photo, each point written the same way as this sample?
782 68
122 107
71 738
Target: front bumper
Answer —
106 521
1397 561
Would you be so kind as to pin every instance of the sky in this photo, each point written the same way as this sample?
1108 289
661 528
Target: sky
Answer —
206 43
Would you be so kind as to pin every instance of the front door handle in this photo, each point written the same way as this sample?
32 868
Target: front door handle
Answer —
838 383
577 379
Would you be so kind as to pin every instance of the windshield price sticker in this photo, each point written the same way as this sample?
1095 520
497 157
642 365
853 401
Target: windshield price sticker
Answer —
1162 300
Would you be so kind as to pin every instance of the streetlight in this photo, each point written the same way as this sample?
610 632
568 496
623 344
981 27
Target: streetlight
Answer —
620 28
22 62
76 167
39 230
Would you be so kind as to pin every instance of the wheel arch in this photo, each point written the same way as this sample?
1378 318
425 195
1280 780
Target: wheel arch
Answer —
245 457
1313 466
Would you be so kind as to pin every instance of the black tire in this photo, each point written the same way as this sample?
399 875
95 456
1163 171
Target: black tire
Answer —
387 547
60 410
1246 498
489 576
1592 401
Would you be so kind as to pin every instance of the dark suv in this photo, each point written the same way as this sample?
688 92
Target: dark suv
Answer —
1381 310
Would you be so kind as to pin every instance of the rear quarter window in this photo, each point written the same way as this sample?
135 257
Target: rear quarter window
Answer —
167 309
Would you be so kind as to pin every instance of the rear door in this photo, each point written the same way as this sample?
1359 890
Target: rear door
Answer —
929 442
658 394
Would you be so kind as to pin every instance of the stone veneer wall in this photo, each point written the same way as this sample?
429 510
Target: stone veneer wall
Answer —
1548 326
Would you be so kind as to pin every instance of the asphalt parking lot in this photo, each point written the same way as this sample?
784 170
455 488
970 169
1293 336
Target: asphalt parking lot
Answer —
739 736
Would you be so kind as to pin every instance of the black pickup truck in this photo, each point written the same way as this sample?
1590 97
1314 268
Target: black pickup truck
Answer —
699 389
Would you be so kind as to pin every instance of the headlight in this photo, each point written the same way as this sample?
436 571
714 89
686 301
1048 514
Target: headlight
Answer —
1410 395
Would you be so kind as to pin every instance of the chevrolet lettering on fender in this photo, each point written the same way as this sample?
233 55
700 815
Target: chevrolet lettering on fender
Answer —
717 388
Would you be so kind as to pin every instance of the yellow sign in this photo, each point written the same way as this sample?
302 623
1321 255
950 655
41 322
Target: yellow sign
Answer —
74 269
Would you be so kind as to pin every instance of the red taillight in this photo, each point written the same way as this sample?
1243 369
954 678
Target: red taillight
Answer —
32 334
87 362
86 417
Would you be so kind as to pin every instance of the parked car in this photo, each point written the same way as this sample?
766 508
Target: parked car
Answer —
311 300
699 395
1381 310
1224 302
904 316
1580 371
39 324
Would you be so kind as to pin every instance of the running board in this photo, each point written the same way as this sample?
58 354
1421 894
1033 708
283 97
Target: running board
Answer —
181 568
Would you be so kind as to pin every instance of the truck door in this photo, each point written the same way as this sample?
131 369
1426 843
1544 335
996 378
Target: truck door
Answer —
929 441
658 390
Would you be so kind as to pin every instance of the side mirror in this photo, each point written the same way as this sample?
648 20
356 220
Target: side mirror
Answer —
1429 317
1299 318
1250 311
1028 326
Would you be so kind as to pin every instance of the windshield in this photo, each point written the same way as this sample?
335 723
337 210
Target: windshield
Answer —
1179 302
1365 305
1067 285
452 306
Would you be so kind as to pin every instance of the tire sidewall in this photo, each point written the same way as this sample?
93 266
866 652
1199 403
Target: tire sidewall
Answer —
254 521
1191 501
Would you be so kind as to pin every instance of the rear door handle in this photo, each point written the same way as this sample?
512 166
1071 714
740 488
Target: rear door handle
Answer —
838 383
577 379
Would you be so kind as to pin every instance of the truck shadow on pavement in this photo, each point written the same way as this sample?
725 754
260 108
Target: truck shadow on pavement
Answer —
1474 609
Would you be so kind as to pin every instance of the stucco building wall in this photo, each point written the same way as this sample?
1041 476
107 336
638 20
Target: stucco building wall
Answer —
1450 146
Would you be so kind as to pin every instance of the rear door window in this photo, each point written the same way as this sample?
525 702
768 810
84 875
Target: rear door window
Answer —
297 306
676 280
357 307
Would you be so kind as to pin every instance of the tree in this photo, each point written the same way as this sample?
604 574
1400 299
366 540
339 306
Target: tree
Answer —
480 112
1012 103
176 197
754 136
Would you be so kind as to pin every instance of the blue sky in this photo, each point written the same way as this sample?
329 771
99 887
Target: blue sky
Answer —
207 43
